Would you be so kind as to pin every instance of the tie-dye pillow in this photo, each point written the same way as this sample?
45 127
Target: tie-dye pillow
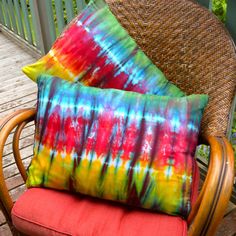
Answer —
97 51
117 145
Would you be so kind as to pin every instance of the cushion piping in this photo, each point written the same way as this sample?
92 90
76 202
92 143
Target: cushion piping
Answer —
38 224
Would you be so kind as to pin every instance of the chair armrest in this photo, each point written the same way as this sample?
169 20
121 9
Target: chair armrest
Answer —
7 124
216 191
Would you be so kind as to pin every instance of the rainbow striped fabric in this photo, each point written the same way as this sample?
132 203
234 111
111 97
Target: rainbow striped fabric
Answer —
117 145
97 51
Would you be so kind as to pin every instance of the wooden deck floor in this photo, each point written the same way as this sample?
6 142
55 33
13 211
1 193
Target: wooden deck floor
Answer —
17 91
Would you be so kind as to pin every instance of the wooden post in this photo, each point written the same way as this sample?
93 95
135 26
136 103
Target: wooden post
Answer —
69 10
7 19
59 15
24 9
80 5
44 24
19 19
1 14
12 16
231 18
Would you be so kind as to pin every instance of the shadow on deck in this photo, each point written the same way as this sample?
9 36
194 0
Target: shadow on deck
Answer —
18 92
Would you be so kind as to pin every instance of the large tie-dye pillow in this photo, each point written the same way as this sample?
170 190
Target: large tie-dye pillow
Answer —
117 145
97 51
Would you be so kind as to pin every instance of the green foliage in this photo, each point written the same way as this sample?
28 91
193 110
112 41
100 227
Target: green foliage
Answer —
219 8
234 126
203 152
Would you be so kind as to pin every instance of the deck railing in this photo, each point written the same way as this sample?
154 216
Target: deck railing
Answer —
37 23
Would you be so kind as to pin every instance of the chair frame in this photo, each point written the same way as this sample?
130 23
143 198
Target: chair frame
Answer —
214 196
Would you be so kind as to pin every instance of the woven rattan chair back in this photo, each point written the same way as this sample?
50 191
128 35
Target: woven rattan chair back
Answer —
190 46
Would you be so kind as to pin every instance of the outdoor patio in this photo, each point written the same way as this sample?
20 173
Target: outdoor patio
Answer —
29 28
17 92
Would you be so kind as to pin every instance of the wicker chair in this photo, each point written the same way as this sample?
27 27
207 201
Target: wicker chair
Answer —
196 53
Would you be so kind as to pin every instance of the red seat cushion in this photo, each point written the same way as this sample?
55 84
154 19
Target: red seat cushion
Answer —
49 212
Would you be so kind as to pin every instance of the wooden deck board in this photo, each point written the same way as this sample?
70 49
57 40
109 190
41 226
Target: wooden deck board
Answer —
21 94
16 92
228 225
5 230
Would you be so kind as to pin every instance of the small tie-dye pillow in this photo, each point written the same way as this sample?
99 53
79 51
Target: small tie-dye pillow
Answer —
97 51
117 145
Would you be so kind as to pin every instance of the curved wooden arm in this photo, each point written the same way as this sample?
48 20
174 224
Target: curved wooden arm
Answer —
16 149
216 191
6 126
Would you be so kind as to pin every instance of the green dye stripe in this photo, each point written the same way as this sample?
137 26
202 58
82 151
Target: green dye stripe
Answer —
59 15
26 21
